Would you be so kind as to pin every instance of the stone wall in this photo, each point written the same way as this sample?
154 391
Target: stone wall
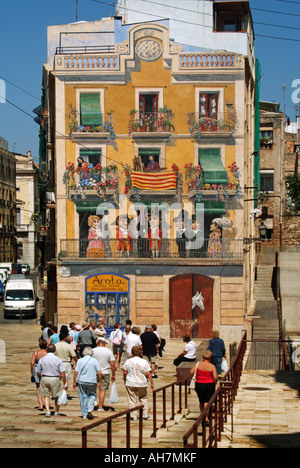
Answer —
291 231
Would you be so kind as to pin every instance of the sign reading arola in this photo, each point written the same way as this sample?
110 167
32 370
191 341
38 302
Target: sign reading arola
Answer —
104 283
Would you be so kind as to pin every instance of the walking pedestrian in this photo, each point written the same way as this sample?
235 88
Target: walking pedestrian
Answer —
189 352
87 376
217 347
107 364
66 353
206 378
54 338
116 338
74 333
47 331
36 356
86 338
51 371
136 374
132 339
150 344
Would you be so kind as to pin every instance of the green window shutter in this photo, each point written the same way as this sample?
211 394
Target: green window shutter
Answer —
211 207
90 112
149 151
212 166
91 156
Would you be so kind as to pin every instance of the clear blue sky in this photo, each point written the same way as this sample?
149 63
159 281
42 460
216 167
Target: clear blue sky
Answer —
23 51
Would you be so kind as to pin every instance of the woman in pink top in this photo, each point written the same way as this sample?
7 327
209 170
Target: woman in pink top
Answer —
206 379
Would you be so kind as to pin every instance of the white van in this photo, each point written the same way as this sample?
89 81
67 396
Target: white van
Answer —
20 299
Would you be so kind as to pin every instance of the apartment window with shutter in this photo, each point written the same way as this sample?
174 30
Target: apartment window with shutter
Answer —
90 110
212 166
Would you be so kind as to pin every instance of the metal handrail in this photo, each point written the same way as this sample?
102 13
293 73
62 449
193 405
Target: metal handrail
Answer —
220 406
109 420
164 402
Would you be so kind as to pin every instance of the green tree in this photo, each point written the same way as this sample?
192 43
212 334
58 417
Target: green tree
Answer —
293 192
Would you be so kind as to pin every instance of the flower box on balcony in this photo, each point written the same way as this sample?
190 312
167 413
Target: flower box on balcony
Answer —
151 135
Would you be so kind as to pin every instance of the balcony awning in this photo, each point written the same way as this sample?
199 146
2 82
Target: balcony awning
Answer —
215 207
212 166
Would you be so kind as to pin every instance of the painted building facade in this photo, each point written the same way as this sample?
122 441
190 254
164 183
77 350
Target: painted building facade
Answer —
7 203
136 118
26 209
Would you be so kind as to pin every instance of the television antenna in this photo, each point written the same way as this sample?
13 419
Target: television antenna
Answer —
76 1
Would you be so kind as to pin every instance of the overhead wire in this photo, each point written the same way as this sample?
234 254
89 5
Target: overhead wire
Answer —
209 26
147 1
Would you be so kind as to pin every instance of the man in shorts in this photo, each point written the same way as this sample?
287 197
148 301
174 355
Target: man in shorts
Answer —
150 344
51 371
106 360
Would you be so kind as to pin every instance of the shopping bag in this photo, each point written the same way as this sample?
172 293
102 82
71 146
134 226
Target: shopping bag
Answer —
114 398
225 367
63 398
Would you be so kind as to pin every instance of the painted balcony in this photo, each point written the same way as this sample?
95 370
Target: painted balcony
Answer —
159 123
219 124
102 130
148 249
87 180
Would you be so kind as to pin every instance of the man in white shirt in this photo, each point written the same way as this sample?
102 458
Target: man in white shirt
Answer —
106 360
132 340
189 353
51 371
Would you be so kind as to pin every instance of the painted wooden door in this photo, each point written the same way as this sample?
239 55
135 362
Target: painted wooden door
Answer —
184 320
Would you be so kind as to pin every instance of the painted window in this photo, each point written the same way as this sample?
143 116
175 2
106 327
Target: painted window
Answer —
208 111
90 109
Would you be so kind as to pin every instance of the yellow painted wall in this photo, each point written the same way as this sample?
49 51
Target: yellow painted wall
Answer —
121 98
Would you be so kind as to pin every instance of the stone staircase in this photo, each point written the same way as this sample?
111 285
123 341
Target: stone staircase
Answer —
264 354
263 284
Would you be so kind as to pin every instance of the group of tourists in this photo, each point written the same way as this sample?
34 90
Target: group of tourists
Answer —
82 349
80 355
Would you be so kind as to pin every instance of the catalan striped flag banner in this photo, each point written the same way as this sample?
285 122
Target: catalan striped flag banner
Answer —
154 180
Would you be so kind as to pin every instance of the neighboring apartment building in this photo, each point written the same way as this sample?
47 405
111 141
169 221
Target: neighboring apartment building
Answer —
27 209
7 203
272 143
144 111
278 159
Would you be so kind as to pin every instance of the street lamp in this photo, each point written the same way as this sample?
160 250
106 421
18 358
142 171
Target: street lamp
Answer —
262 235
262 231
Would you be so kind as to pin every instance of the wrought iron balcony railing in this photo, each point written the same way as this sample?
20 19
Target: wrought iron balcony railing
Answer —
229 249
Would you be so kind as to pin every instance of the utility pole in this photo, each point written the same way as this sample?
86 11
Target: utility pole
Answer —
76 10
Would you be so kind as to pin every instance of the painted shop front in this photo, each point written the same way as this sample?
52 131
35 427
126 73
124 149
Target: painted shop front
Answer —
182 299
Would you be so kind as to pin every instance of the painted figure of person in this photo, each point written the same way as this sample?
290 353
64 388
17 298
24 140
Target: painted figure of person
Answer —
96 246
155 235
215 244
123 235
153 165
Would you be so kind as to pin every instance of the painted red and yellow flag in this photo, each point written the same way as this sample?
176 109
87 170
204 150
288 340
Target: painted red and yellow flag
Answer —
154 180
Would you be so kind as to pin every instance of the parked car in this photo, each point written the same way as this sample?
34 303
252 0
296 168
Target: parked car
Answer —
1 291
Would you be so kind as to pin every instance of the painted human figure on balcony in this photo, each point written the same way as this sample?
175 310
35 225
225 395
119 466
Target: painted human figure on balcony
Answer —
123 235
215 244
153 165
155 235
96 246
